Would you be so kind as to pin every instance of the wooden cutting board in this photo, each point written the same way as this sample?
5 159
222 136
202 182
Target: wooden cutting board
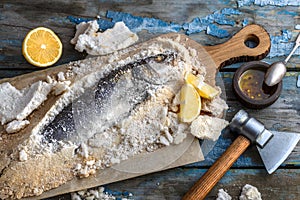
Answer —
213 57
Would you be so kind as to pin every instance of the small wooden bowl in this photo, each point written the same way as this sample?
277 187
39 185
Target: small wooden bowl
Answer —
274 91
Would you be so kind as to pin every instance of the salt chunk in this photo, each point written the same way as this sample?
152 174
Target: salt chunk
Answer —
115 160
92 197
168 135
81 193
78 167
250 192
97 43
61 76
75 196
206 127
216 107
84 150
16 125
90 162
37 191
95 193
101 189
23 156
85 171
223 195
61 87
49 80
98 164
18 104
85 28
179 137
164 141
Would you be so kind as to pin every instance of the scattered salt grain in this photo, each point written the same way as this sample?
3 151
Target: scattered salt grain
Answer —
84 150
164 141
223 195
98 194
23 155
250 192
16 125
61 76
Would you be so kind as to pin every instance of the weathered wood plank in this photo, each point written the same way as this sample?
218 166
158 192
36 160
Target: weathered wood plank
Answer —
18 17
173 184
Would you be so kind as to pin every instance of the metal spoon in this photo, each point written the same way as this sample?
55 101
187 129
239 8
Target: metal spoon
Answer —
277 70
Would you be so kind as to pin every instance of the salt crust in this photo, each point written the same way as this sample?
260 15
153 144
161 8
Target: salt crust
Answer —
206 127
18 104
87 38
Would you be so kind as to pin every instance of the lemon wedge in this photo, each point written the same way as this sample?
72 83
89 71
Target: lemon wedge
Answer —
205 90
42 47
190 103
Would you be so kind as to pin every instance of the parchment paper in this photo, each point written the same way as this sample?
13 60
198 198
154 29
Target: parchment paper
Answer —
192 154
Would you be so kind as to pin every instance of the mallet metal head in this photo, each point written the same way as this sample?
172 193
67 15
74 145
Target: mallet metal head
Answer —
274 147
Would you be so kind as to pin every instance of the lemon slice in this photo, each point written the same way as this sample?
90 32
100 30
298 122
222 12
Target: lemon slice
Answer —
42 47
206 91
190 103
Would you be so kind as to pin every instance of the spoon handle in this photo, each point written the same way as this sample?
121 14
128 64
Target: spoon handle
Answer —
297 44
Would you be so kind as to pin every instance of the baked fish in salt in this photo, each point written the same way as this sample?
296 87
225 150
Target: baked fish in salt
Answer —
98 113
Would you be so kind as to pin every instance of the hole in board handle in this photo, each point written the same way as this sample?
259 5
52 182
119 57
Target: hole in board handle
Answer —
251 41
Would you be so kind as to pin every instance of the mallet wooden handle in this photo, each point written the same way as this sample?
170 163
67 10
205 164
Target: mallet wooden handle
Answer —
217 170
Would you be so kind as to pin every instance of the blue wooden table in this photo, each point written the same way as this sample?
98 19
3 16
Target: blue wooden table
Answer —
208 22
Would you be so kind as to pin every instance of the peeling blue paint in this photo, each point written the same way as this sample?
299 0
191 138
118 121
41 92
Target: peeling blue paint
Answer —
245 22
153 25
220 17
280 3
103 24
136 23
112 192
281 45
230 11
285 37
214 30
117 194
78 20
285 12
196 25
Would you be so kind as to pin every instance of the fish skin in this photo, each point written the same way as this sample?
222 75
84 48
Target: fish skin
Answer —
68 124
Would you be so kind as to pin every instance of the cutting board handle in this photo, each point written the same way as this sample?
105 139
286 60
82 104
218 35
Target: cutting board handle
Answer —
236 49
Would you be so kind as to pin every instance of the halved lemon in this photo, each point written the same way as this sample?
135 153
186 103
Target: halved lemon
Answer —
42 47
206 91
190 103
